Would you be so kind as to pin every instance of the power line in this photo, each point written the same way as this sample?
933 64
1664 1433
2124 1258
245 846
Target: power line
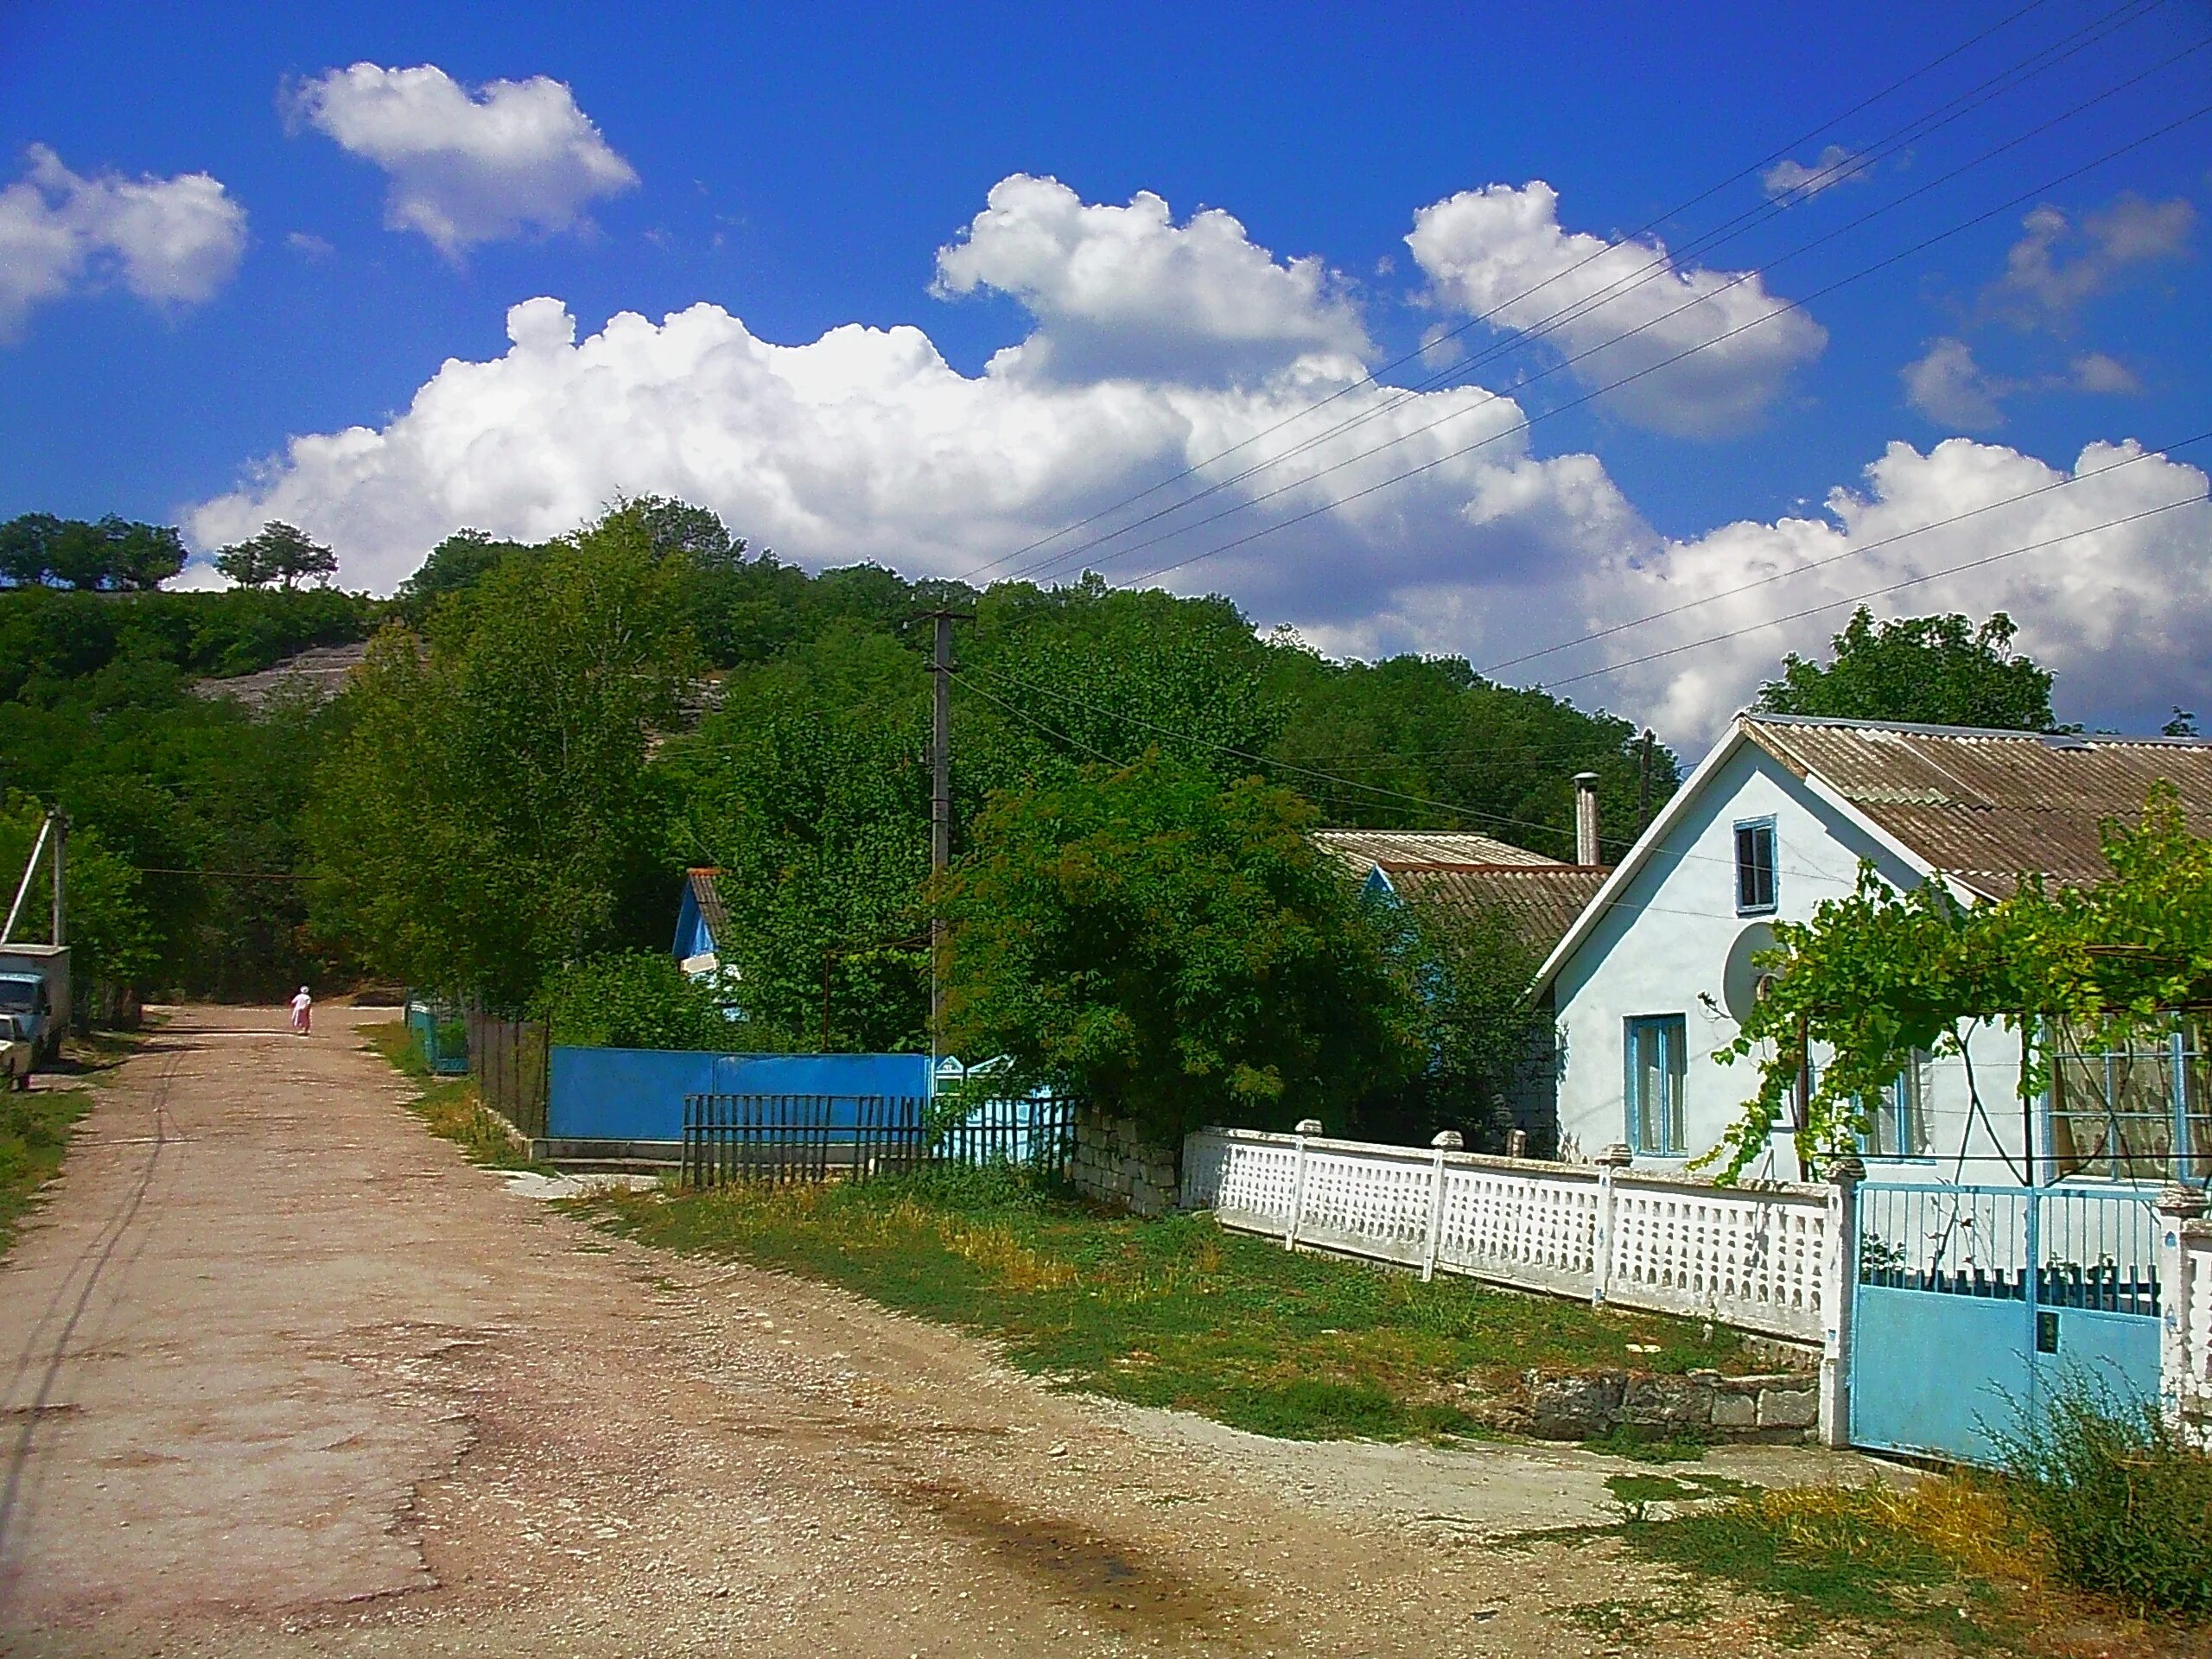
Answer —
1876 593
1285 766
1373 377
1574 311
2164 451
1528 421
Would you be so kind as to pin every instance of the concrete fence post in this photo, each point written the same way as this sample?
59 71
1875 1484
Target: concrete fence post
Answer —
1305 1126
1839 1288
2178 1205
1614 1157
1445 1141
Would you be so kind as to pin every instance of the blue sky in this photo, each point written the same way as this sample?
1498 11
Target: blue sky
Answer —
802 169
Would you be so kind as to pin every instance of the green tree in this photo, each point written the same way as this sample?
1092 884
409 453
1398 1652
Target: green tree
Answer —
1466 975
1939 670
112 936
1174 949
490 816
111 556
454 565
810 790
631 999
1426 743
278 553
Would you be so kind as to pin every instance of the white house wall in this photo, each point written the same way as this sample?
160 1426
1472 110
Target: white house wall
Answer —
1666 939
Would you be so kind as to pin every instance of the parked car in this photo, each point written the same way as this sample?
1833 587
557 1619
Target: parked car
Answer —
15 1051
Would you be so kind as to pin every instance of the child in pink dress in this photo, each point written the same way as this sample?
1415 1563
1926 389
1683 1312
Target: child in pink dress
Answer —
302 1012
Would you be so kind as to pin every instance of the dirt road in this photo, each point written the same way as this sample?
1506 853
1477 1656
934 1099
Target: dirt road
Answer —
287 1377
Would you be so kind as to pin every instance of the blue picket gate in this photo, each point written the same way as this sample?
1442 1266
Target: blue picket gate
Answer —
1976 1305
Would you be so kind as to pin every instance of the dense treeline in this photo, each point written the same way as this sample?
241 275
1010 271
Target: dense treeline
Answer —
542 737
97 717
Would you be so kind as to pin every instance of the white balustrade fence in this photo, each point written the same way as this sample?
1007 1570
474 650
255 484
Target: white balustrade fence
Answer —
1759 1259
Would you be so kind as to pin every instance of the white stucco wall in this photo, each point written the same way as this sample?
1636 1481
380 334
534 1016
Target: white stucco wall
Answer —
1666 938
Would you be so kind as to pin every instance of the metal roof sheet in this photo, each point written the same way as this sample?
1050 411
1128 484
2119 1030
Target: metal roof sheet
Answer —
1363 850
1988 807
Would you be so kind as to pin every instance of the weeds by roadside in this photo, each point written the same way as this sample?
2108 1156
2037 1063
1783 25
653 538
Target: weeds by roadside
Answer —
1931 1560
449 1107
33 1138
1172 1312
2124 1503
35 1124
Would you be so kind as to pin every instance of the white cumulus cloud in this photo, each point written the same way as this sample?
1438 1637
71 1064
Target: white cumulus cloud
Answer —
1617 310
1127 291
1791 180
865 444
467 165
1950 387
2058 266
2113 610
172 241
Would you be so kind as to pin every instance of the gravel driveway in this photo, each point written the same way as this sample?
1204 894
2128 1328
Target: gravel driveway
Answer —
287 1377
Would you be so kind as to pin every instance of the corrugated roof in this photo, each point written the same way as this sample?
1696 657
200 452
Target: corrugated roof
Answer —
1542 899
1988 806
1363 850
709 898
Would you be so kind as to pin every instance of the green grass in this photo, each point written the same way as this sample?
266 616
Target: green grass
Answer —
448 1106
1948 1560
1172 1312
34 1137
1643 1444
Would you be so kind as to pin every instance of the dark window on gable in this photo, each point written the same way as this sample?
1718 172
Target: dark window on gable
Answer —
1755 865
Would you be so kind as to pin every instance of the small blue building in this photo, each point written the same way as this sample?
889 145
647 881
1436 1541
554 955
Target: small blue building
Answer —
701 925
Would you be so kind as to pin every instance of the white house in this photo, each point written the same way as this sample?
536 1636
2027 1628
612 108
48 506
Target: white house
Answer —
1653 975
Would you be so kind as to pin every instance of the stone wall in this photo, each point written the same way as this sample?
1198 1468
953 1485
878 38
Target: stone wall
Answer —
1781 1407
1116 1165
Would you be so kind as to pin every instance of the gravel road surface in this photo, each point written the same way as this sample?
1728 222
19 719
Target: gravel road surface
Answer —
287 1377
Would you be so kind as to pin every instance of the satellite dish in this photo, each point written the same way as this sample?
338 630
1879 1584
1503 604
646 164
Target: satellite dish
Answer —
1743 981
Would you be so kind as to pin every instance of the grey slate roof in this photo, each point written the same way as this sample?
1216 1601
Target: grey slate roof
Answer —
1542 900
709 898
1363 850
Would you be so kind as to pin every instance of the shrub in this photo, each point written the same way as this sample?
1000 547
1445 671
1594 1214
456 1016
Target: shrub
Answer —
634 999
2125 1501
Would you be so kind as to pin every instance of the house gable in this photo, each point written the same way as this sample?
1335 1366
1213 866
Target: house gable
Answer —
1656 944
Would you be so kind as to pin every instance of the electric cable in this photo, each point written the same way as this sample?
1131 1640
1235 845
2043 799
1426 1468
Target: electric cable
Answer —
1754 168
1665 263
1526 422
1876 593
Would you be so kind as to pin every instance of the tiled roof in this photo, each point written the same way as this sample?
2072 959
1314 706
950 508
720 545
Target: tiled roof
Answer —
1364 849
709 898
1542 899
1987 806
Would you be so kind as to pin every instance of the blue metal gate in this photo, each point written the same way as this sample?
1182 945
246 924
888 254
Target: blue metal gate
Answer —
1976 1304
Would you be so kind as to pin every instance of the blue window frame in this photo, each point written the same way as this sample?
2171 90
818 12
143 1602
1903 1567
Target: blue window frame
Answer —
1658 1060
1755 885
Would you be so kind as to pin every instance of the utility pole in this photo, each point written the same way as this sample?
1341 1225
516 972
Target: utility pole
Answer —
60 821
940 797
1643 784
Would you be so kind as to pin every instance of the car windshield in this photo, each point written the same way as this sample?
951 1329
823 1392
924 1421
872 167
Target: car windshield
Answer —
18 993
